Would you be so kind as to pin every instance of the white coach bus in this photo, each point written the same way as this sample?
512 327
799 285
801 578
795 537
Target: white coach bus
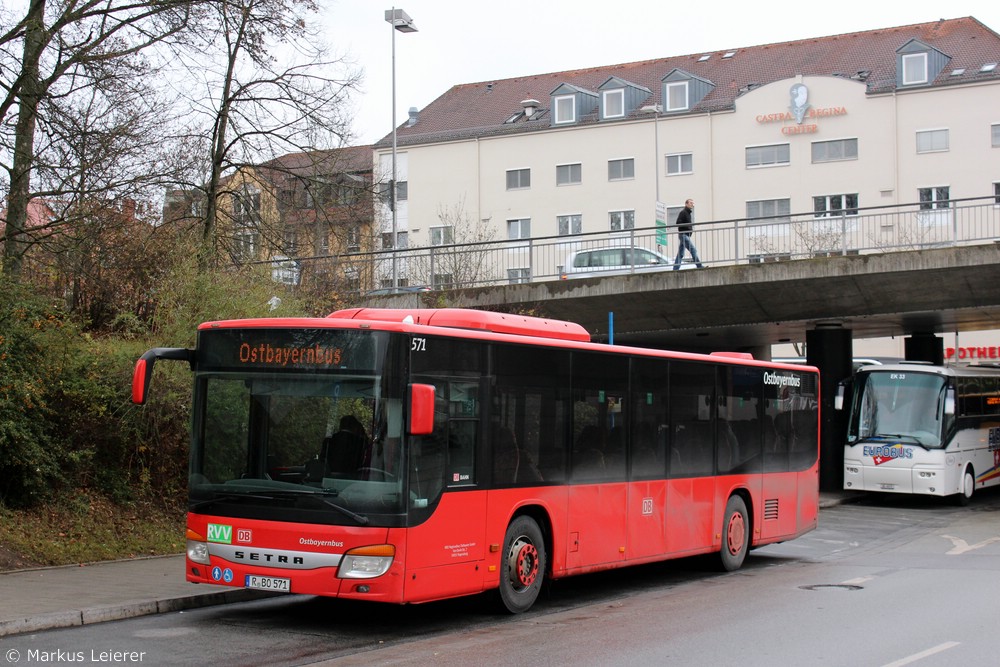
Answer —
924 429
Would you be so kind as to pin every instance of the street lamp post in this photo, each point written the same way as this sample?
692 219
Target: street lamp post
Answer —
661 225
401 21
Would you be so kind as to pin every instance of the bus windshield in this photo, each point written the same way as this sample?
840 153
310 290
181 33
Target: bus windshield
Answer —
310 446
898 405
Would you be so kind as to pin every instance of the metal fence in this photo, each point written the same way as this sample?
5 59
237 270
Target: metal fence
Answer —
790 237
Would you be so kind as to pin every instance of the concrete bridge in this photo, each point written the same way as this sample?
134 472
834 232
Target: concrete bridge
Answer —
826 302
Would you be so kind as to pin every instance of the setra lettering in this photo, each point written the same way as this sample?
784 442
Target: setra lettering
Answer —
278 559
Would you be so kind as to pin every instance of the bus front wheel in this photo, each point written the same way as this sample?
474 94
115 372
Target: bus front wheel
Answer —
522 565
968 487
735 534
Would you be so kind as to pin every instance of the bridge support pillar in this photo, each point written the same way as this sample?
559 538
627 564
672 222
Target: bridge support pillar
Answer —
829 347
924 347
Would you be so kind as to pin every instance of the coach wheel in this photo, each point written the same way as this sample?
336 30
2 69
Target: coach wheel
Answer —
735 534
522 565
968 487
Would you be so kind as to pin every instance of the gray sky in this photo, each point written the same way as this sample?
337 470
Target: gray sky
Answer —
468 41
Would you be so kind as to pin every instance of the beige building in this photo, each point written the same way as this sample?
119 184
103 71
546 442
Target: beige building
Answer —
819 128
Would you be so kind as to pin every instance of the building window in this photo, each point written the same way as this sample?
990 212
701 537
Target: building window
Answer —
443 280
677 96
833 205
565 108
621 220
995 131
914 68
932 141
519 229
443 235
838 149
936 197
769 210
518 179
996 193
516 276
384 191
570 224
354 238
285 270
401 238
569 174
621 170
614 103
680 163
324 243
766 156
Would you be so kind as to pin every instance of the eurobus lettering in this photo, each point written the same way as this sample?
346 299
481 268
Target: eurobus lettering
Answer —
890 452
449 452
919 428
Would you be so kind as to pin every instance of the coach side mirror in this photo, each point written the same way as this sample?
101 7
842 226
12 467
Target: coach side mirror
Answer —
949 401
838 400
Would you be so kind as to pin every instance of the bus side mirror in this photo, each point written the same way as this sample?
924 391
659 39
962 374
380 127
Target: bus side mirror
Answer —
949 401
144 368
421 409
838 400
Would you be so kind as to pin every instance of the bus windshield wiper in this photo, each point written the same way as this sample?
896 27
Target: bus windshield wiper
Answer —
227 495
323 495
895 436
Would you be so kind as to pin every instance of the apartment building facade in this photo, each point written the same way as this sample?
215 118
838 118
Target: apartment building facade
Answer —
826 126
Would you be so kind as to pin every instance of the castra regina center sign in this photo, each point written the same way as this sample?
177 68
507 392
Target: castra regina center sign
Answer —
801 116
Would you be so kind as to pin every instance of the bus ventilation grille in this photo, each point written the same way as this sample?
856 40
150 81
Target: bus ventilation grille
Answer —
771 509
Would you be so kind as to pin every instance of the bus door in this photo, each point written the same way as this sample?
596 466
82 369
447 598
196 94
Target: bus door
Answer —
790 450
446 542
598 493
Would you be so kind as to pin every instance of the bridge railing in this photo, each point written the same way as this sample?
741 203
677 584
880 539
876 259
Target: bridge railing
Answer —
792 237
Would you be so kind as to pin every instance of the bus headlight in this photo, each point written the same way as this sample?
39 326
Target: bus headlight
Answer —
366 562
852 469
925 474
197 548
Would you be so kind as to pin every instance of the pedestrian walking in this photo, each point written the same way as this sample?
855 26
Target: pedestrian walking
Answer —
685 227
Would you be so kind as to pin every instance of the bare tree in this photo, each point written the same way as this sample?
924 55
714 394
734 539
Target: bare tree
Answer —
249 107
73 87
461 256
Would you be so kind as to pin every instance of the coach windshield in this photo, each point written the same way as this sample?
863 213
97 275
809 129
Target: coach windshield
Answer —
902 406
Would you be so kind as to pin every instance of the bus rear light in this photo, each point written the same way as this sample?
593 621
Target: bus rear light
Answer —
366 562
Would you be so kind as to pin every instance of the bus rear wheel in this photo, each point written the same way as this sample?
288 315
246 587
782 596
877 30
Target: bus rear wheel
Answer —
968 487
522 565
735 534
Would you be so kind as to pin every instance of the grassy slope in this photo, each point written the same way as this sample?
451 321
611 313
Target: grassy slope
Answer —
86 528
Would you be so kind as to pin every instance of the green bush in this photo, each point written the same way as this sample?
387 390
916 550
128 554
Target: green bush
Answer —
66 417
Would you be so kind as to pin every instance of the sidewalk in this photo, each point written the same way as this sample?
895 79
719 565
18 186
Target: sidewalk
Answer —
58 597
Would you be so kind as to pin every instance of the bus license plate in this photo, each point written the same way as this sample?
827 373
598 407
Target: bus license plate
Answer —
268 583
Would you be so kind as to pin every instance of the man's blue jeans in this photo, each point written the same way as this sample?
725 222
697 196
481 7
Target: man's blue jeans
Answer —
684 241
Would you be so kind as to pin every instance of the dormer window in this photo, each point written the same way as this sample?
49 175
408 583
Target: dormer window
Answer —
565 109
614 103
677 96
914 68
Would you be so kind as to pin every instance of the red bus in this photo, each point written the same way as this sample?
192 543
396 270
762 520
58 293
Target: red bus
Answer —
406 456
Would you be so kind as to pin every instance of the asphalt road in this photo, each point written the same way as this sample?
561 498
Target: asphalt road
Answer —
886 583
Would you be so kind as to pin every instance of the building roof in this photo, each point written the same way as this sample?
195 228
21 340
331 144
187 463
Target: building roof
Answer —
346 160
484 108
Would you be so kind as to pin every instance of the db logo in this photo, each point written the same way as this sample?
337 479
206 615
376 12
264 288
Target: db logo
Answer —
244 535
647 505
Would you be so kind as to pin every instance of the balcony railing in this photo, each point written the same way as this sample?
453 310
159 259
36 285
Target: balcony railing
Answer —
793 237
